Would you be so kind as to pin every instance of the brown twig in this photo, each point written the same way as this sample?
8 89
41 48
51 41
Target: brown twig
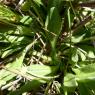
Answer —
82 23
90 4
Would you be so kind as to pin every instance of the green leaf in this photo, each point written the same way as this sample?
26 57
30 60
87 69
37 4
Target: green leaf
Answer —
39 2
88 50
85 73
26 5
53 21
91 54
42 70
82 55
53 25
54 3
26 20
7 14
23 30
84 90
29 86
90 84
77 39
7 74
8 52
70 82
38 9
74 55
84 78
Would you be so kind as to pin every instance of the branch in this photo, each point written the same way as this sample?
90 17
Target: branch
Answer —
82 23
90 4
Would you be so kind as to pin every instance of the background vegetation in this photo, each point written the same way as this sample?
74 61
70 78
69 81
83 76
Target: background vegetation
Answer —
47 47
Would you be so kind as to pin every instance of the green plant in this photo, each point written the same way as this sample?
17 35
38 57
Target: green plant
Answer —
47 47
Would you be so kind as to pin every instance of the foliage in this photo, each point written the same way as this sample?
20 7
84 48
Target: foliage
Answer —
47 47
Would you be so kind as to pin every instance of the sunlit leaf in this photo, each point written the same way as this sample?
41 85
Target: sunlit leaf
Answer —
53 20
74 55
91 54
70 82
41 70
7 14
82 55
77 39
85 73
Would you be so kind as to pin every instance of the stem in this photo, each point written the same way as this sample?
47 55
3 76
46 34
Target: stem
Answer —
87 4
82 23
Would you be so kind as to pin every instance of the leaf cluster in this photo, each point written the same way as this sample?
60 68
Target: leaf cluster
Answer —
47 47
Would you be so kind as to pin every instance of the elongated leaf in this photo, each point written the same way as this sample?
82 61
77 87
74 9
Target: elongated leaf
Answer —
5 76
7 15
26 20
53 21
54 3
39 2
53 25
42 70
82 55
39 11
8 73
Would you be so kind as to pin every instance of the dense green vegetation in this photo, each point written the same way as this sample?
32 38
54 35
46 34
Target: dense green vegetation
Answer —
47 47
